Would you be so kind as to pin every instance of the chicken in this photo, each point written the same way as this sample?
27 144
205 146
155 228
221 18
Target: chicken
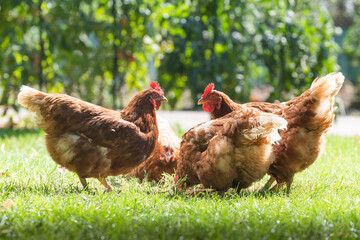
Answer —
92 141
309 117
232 151
164 157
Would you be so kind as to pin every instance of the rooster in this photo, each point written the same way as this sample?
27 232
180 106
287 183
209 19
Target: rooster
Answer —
164 157
309 117
92 141
231 151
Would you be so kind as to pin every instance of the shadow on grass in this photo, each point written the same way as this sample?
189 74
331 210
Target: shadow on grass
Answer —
63 189
231 193
48 190
10 132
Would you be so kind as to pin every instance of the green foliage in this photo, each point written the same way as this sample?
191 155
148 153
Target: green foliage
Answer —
297 45
237 44
48 204
352 42
351 46
98 49
79 42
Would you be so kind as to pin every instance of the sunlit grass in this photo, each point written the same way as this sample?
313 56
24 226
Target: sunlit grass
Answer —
48 204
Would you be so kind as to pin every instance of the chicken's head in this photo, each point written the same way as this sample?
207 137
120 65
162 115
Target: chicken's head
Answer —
157 95
210 99
169 153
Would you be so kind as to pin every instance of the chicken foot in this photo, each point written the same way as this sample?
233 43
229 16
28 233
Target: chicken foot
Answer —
277 187
198 192
280 185
102 180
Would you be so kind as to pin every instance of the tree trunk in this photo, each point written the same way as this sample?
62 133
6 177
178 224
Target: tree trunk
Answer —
42 83
115 70
5 96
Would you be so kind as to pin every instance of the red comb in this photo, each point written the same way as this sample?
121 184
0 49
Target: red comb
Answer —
208 89
156 86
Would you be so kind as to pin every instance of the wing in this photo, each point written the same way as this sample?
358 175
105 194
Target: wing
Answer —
249 126
274 108
194 143
61 113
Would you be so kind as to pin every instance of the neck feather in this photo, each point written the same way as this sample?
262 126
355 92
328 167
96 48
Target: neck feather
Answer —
226 106
142 113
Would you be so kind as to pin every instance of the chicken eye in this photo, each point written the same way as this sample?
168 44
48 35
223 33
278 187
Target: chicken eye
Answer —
156 95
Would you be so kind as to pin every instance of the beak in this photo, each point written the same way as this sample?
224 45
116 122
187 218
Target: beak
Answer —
163 99
201 101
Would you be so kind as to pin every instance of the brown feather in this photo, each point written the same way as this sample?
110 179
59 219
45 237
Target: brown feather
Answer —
157 163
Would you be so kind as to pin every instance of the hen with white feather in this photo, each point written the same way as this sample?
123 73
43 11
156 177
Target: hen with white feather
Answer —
232 151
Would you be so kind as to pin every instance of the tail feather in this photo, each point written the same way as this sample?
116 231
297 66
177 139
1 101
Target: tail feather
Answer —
325 90
31 98
327 86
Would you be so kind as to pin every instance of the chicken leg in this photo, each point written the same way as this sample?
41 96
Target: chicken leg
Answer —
277 186
268 184
83 182
280 185
105 184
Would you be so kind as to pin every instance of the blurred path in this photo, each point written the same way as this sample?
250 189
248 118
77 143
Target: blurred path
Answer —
346 126
343 126
186 119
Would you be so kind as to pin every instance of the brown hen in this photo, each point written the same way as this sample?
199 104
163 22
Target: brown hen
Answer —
164 157
309 117
232 151
92 141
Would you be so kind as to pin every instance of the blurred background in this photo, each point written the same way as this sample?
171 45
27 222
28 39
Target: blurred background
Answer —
104 51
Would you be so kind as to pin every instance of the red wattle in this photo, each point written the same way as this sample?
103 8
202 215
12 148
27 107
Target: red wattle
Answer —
158 104
208 107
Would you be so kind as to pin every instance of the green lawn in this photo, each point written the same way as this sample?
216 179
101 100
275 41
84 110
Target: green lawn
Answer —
47 204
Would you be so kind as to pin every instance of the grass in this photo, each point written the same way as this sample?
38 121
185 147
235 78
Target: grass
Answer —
39 202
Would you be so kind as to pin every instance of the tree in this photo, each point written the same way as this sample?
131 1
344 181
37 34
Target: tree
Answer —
99 49
74 46
237 44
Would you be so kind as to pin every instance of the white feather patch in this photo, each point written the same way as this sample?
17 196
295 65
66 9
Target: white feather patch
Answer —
269 126
65 145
